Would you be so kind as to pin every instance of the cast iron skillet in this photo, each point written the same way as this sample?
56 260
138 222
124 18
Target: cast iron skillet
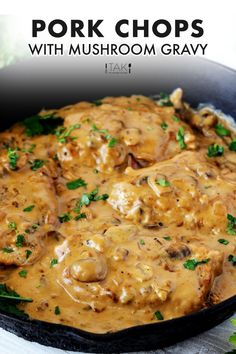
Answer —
27 87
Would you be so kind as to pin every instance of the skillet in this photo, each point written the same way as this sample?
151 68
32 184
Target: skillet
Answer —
29 86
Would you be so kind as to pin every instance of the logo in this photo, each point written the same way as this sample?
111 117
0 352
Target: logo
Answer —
118 68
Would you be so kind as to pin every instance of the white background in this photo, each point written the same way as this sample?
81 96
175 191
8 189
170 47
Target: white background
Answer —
220 34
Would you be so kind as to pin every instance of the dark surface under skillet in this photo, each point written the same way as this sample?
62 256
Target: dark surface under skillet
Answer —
27 87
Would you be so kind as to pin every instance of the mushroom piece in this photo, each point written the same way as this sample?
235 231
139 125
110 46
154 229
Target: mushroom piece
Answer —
89 269
178 250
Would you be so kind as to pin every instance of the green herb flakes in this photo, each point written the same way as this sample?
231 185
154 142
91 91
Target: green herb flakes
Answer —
53 262
76 184
57 310
231 226
221 131
164 100
36 164
29 208
65 217
23 273
42 124
215 150
163 182
191 264
20 240
164 126
180 138
13 158
232 259
158 315
223 241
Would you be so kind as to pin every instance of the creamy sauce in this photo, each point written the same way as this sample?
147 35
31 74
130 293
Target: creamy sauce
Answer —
117 212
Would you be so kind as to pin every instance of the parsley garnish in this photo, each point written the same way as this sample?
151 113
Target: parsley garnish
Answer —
53 262
57 310
163 182
20 240
65 217
232 259
164 100
112 142
97 102
36 164
221 131
232 145
80 216
76 184
29 208
159 316
175 119
13 157
28 253
231 230
191 264
223 241
64 133
215 150
142 242
9 301
167 238
30 150
180 138
164 126
41 125
12 225
23 273
7 250
87 198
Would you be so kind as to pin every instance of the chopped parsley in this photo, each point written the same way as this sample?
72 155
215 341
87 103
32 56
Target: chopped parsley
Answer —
9 301
30 150
96 129
57 310
12 225
23 273
180 138
232 145
232 259
164 126
191 264
76 184
20 240
87 198
231 230
175 119
215 150
80 216
112 142
28 253
29 208
164 100
142 242
36 164
159 316
53 262
42 125
223 241
163 182
7 250
64 133
12 157
167 238
221 131
97 102
65 217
